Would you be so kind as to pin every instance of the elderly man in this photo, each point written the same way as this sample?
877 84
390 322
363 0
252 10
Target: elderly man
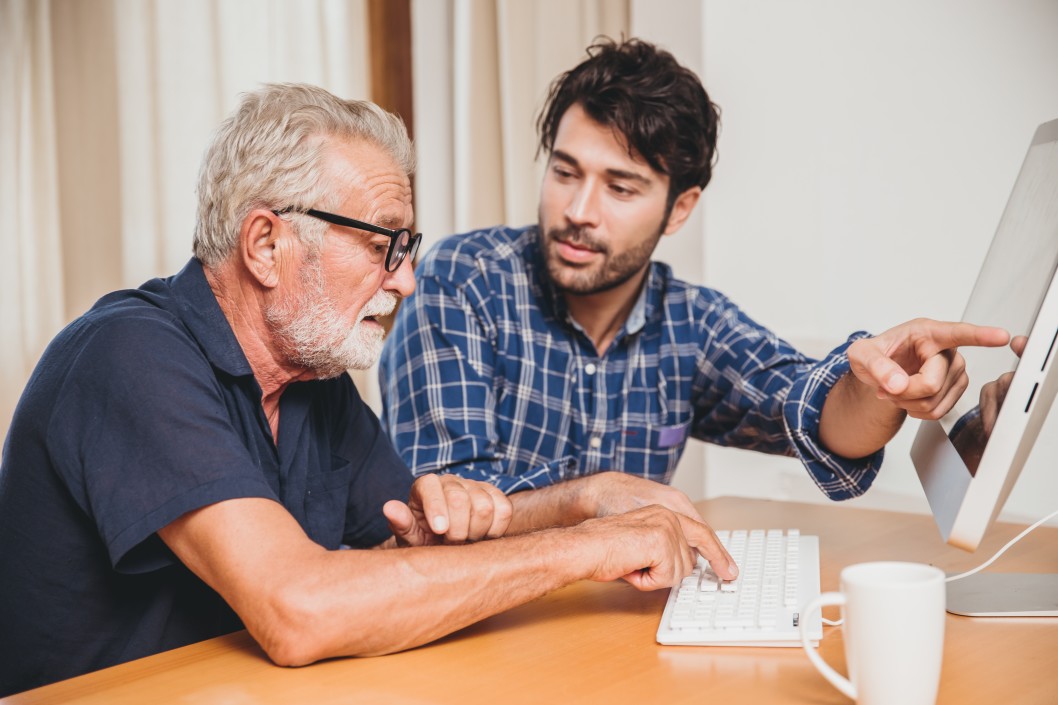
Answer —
189 457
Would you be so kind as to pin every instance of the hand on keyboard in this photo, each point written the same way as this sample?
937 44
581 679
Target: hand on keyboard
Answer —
779 574
653 547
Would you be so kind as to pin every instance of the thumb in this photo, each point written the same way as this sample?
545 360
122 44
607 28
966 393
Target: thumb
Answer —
400 518
871 364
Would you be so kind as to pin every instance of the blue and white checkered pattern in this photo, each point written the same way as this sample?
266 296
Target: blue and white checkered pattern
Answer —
486 375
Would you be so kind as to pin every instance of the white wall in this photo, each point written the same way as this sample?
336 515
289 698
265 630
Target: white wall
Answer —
867 152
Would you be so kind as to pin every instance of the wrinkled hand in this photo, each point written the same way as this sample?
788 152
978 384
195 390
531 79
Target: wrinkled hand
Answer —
448 509
617 492
653 547
916 365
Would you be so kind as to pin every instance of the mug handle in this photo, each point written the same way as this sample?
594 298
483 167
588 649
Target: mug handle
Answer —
836 679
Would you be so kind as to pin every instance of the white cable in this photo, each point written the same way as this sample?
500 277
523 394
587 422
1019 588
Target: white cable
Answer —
1001 551
990 561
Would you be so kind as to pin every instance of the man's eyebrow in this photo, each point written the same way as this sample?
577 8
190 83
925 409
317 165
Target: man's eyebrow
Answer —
564 157
389 221
615 173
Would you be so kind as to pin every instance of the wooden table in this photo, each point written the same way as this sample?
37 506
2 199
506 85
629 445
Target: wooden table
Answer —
594 643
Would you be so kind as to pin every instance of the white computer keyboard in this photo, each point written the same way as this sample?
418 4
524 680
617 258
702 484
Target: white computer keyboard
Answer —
778 574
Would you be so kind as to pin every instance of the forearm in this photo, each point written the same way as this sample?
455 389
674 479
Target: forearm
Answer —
384 601
563 504
303 603
854 423
363 603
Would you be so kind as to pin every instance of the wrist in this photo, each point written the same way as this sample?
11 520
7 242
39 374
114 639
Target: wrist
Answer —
590 546
854 422
584 502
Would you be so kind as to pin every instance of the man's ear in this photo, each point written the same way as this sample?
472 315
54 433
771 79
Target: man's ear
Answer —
263 246
682 209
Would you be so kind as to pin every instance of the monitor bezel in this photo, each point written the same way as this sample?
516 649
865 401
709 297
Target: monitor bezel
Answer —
965 505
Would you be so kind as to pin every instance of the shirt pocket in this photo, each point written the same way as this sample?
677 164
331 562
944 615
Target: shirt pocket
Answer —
326 501
664 446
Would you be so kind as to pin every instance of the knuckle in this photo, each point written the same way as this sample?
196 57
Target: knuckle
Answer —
457 497
504 511
449 481
929 413
482 507
932 388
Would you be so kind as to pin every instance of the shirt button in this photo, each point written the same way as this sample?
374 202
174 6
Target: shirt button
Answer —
589 369
595 442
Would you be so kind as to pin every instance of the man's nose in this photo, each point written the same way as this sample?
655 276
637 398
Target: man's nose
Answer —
583 208
401 281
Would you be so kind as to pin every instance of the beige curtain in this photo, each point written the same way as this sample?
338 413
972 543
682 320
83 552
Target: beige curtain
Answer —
32 291
106 107
482 69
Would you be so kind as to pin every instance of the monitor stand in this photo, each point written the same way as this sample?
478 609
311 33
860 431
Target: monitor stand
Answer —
1004 595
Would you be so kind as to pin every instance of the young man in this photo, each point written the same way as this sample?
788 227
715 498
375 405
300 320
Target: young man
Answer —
560 364
189 457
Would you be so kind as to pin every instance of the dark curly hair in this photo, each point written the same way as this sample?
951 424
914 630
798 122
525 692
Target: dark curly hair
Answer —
641 91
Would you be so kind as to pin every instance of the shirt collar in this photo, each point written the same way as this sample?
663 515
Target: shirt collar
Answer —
637 317
198 308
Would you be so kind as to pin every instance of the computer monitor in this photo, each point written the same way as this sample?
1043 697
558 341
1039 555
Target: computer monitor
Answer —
969 460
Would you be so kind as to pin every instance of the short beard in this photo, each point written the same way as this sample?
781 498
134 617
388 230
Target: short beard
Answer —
614 271
312 335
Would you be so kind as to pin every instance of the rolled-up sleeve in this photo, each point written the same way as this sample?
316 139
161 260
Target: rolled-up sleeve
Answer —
838 477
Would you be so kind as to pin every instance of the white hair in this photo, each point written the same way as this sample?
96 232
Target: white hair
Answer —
270 154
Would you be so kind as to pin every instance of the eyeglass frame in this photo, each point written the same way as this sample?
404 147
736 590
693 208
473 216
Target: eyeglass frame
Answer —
394 235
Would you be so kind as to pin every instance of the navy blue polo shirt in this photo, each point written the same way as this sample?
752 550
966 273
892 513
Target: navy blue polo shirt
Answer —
141 410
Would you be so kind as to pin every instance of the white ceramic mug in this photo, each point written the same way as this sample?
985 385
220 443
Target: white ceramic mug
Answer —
894 632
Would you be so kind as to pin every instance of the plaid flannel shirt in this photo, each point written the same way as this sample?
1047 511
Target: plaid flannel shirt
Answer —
486 375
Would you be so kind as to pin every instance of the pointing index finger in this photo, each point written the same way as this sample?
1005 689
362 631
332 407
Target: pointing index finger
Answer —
954 335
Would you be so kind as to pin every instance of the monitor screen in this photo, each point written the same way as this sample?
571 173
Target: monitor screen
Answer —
1009 292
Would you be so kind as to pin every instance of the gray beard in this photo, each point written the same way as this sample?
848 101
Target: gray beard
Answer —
313 335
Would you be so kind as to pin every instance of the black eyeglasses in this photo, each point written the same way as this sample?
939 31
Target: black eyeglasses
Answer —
402 244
